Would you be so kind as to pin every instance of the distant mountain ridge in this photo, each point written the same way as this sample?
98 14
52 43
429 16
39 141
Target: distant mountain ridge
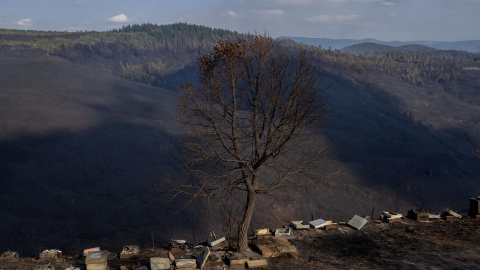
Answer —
374 48
467 45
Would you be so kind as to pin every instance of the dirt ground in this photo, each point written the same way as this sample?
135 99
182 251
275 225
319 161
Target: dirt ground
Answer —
406 245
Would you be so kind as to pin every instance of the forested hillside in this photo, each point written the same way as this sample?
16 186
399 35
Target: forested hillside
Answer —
166 54
148 53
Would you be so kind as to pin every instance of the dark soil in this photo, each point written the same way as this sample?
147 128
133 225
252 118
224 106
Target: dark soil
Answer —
406 245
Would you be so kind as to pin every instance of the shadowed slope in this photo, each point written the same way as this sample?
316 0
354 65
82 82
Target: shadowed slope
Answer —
80 152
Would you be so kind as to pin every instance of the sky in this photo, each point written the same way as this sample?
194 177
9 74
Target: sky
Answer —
387 20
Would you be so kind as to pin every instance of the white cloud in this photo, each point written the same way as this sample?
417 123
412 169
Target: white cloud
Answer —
25 22
120 18
332 18
268 12
388 3
230 14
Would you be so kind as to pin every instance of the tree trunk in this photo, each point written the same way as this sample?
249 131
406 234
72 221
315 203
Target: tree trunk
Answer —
247 218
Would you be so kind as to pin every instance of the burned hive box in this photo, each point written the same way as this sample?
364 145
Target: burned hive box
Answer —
275 246
129 252
97 260
186 264
158 263
299 225
391 217
357 222
332 226
50 255
240 258
217 244
419 214
450 215
88 250
283 232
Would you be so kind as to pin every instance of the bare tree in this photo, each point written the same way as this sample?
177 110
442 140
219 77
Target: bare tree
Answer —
251 123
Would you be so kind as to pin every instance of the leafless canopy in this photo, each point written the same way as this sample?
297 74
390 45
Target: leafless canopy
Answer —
253 115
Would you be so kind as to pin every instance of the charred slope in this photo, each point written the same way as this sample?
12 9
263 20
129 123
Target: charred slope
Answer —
80 154
405 142
81 150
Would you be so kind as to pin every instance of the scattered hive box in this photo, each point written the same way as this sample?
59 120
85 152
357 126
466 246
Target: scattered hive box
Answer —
298 225
240 258
257 264
129 252
423 217
217 244
391 214
236 258
331 226
186 264
202 259
450 218
391 217
157 263
419 214
450 215
318 223
454 214
394 220
262 231
97 260
88 250
357 222
275 246
9 256
283 232
50 255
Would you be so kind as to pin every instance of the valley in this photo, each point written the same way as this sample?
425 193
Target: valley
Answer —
86 145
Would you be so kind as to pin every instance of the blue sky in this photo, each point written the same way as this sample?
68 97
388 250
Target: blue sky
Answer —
402 20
